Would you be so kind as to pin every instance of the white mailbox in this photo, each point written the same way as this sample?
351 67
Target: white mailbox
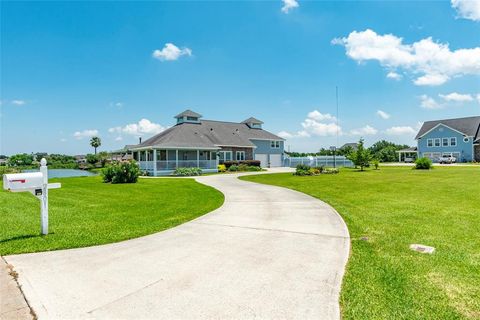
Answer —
37 184
20 182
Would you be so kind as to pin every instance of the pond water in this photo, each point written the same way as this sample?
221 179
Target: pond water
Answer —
65 173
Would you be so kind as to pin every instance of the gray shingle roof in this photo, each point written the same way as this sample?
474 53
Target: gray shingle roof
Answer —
208 134
468 126
252 120
188 113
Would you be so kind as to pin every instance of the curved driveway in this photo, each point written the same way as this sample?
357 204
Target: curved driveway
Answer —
267 253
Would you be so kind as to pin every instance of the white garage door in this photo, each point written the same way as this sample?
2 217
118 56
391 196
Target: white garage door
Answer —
262 158
275 160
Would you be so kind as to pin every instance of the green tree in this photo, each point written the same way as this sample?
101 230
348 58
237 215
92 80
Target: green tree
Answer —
95 142
21 159
361 157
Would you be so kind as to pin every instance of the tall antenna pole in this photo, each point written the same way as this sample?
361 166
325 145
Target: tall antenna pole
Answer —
336 96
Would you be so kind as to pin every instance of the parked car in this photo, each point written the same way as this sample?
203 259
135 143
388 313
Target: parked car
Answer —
447 158
409 160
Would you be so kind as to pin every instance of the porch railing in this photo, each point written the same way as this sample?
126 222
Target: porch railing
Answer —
172 164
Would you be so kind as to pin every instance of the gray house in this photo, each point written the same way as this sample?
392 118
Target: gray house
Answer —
194 142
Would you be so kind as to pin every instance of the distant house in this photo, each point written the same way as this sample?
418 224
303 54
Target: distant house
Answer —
352 145
80 158
458 137
194 142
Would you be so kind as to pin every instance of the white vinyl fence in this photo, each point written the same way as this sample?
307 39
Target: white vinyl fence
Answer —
318 161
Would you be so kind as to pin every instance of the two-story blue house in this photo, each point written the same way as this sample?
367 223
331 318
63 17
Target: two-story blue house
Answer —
195 142
458 137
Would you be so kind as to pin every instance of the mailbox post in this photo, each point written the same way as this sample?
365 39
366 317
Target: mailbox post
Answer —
37 184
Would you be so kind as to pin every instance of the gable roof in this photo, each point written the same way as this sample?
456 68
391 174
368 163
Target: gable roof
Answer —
468 126
253 120
353 145
188 113
208 134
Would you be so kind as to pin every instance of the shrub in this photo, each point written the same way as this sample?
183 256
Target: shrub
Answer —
303 170
121 172
330 171
221 168
254 168
184 172
423 163
375 163
251 163
233 168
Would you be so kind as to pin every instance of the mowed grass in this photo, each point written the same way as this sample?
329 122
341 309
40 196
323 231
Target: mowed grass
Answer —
395 207
86 212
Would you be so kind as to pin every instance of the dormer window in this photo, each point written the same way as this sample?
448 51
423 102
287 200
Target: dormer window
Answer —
253 123
188 116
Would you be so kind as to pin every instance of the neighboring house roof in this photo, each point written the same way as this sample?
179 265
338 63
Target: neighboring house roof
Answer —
353 145
411 149
467 126
208 134
188 113
253 120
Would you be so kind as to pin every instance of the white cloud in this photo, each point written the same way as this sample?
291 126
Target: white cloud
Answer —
119 138
383 114
317 116
85 134
467 9
143 127
427 102
316 124
18 102
457 97
63 140
119 105
171 52
400 131
285 135
432 63
394 75
365 131
289 5
478 98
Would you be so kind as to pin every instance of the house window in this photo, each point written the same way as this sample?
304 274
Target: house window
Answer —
161 155
192 119
275 144
465 139
225 156
437 142
445 142
453 141
430 142
240 155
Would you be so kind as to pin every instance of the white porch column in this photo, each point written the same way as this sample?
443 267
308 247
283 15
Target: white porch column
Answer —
146 159
155 162
399 157
198 158
176 158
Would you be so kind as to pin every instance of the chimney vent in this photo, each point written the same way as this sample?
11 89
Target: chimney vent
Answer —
139 140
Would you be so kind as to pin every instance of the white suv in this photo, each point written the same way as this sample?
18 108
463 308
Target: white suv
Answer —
447 158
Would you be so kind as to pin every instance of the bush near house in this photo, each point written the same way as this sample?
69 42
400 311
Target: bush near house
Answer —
255 163
423 164
121 172
186 172
221 168
306 170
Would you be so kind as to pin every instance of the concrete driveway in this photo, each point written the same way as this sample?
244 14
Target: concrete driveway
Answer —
267 253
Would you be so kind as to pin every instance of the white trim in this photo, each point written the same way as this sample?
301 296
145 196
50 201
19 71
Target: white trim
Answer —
172 148
440 124
234 146
261 139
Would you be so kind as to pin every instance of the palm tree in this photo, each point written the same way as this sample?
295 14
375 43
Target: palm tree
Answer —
95 142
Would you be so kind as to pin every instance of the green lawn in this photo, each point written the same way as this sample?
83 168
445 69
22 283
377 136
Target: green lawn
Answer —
86 212
395 207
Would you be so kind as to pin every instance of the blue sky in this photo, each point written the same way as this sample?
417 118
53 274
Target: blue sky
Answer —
121 70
